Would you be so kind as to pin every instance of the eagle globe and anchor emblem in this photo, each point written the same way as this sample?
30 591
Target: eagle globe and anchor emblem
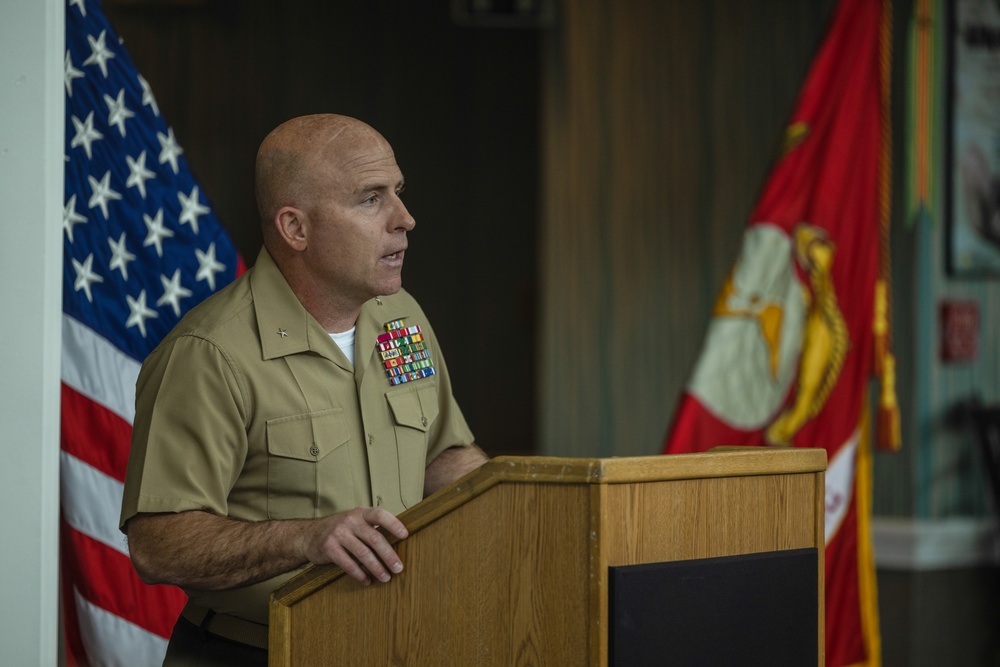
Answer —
770 331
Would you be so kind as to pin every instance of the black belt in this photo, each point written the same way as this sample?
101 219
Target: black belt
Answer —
229 627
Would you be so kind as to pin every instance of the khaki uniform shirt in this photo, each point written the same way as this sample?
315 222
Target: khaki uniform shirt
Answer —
248 409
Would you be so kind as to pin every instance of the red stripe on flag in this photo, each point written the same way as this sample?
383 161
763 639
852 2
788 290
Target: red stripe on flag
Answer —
107 579
76 655
94 434
845 640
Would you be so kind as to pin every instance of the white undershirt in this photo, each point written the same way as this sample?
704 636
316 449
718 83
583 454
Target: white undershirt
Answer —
345 341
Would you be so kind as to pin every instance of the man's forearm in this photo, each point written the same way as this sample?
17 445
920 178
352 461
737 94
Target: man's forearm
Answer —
451 464
209 552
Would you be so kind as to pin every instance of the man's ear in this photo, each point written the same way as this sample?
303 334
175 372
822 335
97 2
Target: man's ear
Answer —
291 226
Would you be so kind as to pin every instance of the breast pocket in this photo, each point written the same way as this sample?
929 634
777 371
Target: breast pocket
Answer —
414 410
307 455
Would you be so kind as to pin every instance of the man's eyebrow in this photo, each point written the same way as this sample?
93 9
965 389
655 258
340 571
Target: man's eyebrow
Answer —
381 186
371 185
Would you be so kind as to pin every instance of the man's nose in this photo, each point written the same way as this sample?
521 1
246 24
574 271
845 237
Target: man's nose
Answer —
402 218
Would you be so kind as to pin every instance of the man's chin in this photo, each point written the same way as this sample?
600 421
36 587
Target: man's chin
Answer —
391 288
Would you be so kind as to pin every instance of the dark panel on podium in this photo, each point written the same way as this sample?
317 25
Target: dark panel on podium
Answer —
755 609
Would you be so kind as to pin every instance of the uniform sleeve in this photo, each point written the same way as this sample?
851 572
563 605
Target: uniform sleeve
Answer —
189 438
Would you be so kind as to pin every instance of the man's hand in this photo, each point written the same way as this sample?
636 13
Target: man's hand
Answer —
352 541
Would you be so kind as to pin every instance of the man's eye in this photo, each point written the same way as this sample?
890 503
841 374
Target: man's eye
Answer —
370 200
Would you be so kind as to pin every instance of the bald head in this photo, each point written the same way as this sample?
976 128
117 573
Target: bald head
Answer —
299 156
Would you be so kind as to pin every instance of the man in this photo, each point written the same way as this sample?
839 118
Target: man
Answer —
269 433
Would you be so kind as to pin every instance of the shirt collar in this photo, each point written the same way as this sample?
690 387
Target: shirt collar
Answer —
286 327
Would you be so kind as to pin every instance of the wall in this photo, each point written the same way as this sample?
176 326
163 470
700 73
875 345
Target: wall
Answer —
31 148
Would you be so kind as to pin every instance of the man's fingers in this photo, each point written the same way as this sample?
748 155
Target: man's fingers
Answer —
354 541
379 517
373 554
376 548
357 546
351 567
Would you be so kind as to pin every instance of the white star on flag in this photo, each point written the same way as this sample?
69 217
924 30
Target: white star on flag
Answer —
170 151
85 133
156 232
208 266
99 53
173 292
102 193
120 256
85 276
138 174
139 312
191 208
147 95
71 217
118 113
70 73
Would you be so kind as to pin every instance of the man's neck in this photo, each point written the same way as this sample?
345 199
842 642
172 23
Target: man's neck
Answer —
333 315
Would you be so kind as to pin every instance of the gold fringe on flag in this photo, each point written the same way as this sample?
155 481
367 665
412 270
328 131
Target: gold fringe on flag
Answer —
867 587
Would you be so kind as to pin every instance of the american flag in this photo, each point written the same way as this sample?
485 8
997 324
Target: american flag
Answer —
142 246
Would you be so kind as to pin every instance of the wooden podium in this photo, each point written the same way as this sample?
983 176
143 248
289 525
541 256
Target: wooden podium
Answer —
515 564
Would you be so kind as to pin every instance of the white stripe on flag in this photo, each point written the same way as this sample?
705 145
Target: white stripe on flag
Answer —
840 485
97 369
111 641
92 502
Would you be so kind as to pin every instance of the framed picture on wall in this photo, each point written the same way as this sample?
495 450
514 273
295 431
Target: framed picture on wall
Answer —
973 139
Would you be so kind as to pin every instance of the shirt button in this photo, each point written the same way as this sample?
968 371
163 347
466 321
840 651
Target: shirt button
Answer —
371 439
378 501
314 450
423 420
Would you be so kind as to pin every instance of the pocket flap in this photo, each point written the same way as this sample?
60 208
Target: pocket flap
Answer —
308 437
415 407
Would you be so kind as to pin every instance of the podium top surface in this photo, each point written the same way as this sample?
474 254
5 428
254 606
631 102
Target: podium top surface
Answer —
719 462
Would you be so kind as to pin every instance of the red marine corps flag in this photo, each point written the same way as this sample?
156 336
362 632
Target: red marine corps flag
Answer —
801 325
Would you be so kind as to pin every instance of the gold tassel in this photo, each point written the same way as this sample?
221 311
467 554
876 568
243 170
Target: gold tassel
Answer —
880 326
887 425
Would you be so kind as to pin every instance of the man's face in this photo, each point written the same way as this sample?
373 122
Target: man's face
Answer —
358 222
